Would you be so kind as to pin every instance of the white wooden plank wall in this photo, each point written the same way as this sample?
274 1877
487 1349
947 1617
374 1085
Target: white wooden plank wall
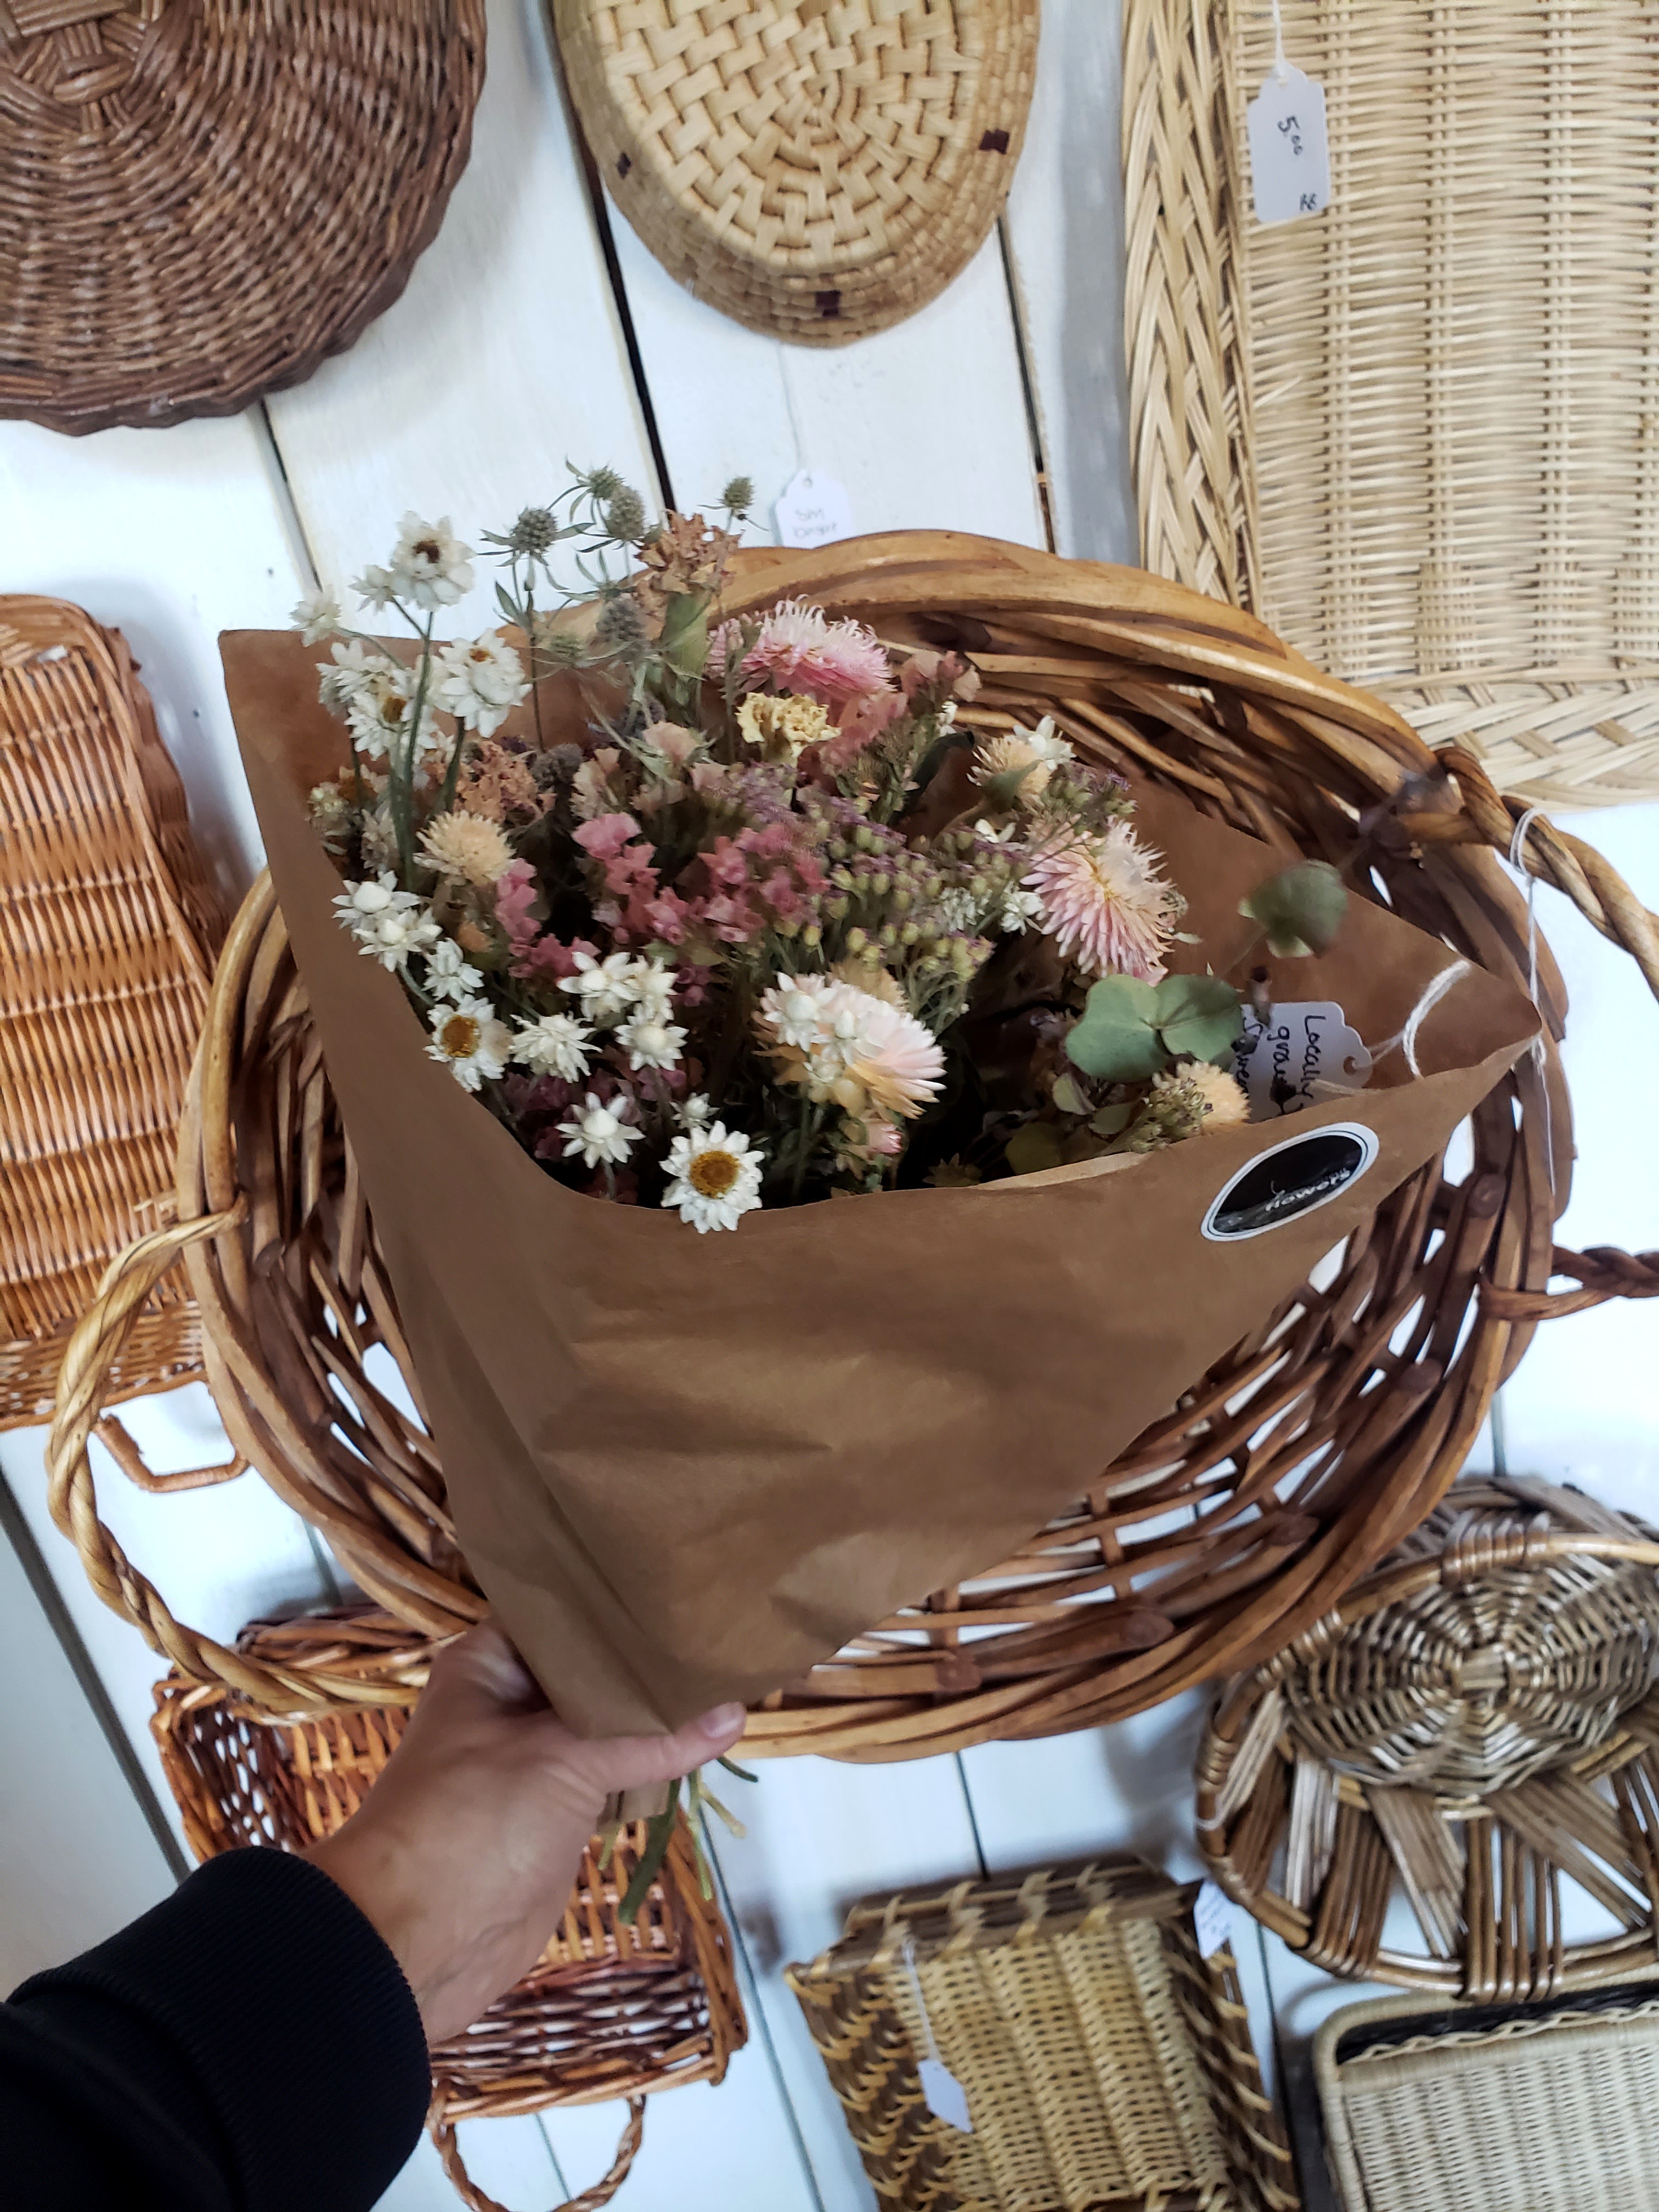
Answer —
507 353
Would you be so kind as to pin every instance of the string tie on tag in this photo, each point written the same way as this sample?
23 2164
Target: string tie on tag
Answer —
1281 67
1405 1040
909 1954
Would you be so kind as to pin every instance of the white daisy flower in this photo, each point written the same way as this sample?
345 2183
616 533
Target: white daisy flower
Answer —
430 563
607 988
556 1044
713 1178
480 683
470 1041
376 588
1019 907
388 924
449 973
598 1134
316 615
694 1111
650 1041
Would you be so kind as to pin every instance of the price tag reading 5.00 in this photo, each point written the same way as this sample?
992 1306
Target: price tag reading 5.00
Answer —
1290 160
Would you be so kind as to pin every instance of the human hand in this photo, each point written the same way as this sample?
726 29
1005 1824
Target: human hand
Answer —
464 1853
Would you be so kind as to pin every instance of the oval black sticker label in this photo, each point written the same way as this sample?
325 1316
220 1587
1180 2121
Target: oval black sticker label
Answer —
1291 1179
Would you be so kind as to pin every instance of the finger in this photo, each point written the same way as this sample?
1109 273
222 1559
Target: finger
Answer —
627 1762
481 1668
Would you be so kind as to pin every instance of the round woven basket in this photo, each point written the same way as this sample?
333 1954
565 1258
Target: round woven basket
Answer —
1474 1722
608 2010
815 171
1366 1391
152 154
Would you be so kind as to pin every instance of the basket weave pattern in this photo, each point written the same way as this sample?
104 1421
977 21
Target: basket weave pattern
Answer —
1104 2061
816 172
108 926
151 159
1476 1721
1414 433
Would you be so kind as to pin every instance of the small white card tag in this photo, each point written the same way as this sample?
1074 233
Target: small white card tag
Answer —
1212 1919
1290 160
944 2095
812 509
1306 1055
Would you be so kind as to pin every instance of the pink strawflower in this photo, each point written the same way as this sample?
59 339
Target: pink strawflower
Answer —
838 1042
799 649
1104 902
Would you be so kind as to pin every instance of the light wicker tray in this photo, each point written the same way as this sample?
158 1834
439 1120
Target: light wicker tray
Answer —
1416 433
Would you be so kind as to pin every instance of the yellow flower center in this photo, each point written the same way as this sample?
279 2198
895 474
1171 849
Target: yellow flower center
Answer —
459 1036
712 1174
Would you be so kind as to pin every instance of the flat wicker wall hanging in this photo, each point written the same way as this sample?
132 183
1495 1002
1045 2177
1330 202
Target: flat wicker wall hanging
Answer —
1533 2108
1472 1723
1354 1429
108 929
200 200
610 2010
1416 433
816 171
1106 2062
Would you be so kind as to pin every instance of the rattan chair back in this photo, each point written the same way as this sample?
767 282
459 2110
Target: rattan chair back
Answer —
815 171
1414 433
202 199
108 929
1475 1722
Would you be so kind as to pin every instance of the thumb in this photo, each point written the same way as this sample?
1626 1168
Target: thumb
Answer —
629 1762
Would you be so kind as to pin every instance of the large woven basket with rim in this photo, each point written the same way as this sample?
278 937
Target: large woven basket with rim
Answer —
1106 2062
1366 1391
1475 1722
1415 433
610 2010
1517 2108
816 172
108 930
202 199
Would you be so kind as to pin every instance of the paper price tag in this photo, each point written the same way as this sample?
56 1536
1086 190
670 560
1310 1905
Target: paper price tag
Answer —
1290 159
1212 1919
944 2095
812 509
1305 1056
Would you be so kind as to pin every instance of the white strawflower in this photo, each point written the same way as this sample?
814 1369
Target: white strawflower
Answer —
694 1111
655 990
376 588
470 1041
1037 752
316 615
481 683
713 1177
430 563
388 924
556 1044
355 661
380 712
464 845
449 973
598 1134
607 988
794 1010
650 1041
1019 907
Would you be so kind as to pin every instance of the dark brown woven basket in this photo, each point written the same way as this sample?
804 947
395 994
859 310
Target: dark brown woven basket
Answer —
610 2010
202 199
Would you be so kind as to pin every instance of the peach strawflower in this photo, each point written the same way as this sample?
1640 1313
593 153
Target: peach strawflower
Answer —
842 1044
1104 902
801 649
467 846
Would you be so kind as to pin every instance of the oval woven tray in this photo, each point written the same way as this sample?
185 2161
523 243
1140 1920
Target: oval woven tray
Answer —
1474 1723
1368 1391
152 155
816 172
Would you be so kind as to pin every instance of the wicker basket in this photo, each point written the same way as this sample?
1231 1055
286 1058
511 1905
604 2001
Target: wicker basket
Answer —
1106 2062
1475 1721
108 928
609 2011
200 200
816 173
1355 1429
1415 433
1534 2108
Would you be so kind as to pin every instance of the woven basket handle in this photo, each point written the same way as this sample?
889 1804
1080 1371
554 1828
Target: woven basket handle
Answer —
443 2135
1602 1272
82 1381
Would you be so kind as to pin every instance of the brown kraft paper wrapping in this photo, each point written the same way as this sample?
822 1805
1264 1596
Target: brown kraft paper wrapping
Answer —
685 1468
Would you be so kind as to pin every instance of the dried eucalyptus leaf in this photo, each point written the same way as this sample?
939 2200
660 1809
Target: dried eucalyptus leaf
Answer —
1116 1036
1068 1096
1198 1015
1112 1121
683 643
1301 909
1039 1144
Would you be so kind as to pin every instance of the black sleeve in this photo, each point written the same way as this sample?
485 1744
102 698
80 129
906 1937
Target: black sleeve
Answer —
249 2046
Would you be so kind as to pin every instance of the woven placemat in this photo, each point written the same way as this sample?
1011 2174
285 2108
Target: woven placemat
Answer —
1418 434
202 199
815 171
